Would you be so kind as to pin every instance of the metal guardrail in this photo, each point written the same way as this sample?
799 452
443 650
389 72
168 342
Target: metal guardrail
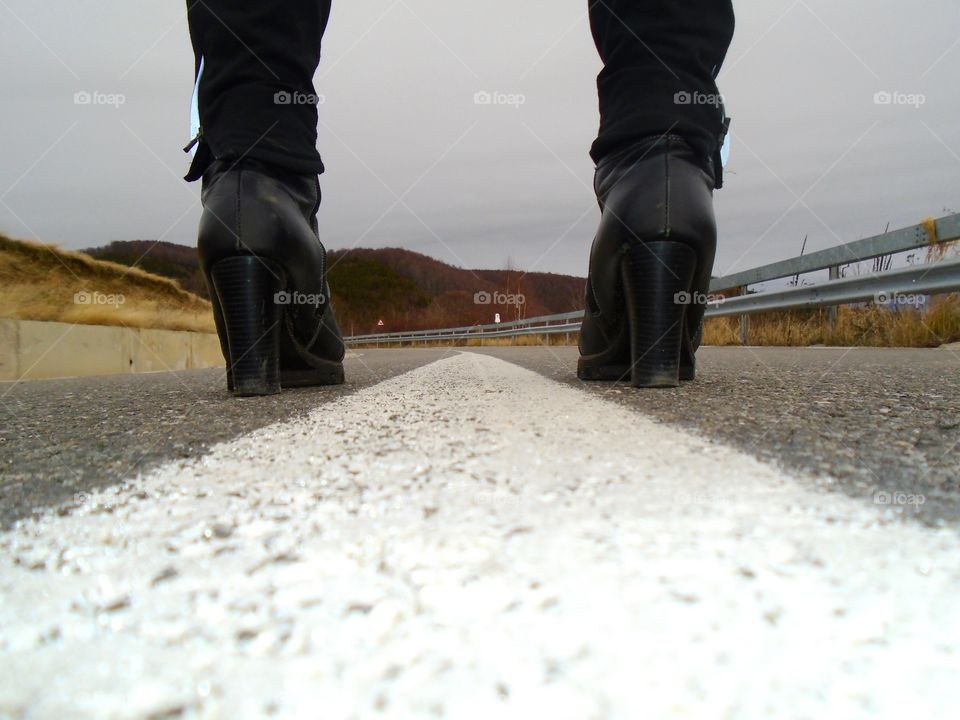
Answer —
927 279
908 238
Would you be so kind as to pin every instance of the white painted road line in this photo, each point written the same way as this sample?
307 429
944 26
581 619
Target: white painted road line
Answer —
469 540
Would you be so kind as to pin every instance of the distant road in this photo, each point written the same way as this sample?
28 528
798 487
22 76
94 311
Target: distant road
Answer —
872 419
458 534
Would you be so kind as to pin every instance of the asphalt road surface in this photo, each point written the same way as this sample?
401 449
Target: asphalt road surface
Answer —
861 420
479 534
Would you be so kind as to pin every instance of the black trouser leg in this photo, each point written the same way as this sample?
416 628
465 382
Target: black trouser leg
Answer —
661 58
256 96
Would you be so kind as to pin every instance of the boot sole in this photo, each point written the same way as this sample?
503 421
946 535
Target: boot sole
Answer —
606 373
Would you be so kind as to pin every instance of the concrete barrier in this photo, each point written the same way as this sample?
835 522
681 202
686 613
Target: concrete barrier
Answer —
31 350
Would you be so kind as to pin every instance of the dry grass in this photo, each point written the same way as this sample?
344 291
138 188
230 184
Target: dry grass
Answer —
525 341
856 326
42 282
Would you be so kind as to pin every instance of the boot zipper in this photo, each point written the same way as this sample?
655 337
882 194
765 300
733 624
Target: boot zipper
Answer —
196 138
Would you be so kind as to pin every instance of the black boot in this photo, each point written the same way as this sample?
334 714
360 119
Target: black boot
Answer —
650 265
266 271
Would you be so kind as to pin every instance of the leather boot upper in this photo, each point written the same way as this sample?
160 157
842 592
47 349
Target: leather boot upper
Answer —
250 208
658 189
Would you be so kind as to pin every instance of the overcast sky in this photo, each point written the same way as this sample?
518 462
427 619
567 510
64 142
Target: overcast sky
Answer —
413 162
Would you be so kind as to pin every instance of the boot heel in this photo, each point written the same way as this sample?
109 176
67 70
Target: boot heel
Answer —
657 276
246 287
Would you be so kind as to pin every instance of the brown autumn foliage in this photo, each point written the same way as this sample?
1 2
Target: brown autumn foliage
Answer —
411 291
177 262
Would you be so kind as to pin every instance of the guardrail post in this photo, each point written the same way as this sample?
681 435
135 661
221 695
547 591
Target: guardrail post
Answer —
832 310
744 323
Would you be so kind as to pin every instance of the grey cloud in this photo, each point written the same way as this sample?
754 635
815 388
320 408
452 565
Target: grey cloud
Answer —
489 181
